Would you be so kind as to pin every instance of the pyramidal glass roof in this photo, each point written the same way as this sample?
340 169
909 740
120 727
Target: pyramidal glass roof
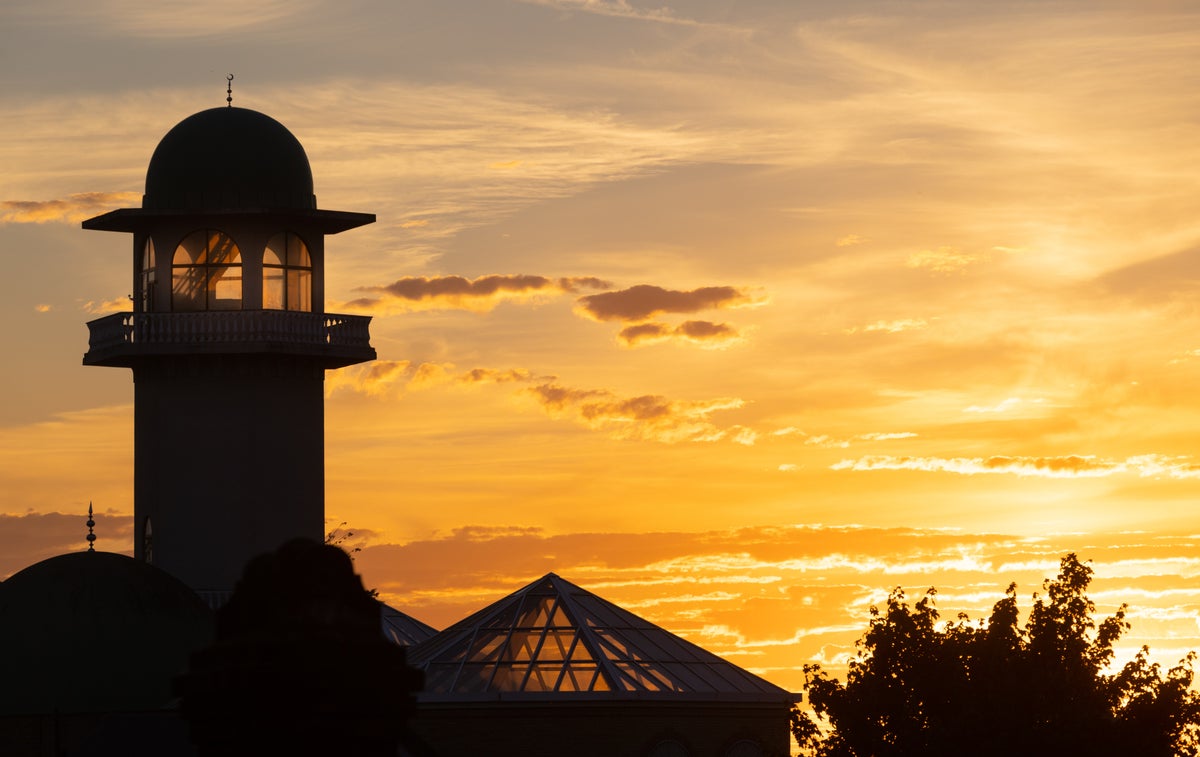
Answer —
553 639
403 629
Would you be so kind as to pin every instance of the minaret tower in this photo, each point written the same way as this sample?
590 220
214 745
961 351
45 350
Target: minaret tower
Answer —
229 342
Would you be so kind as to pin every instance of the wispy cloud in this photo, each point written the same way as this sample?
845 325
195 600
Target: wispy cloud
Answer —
375 378
889 327
826 440
704 333
102 307
71 209
478 295
382 377
1065 466
650 417
617 9
644 301
1002 407
146 18
30 537
943 260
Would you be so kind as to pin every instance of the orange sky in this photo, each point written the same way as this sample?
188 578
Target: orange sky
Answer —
738 314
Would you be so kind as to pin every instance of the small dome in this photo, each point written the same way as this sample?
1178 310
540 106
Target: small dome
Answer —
226 159
95 632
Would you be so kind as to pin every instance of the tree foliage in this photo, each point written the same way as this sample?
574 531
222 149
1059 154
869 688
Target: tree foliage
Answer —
996 688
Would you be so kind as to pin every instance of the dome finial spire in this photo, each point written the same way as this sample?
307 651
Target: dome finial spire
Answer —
91 523
229 90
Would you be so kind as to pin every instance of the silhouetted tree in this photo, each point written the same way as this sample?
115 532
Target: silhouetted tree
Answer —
995 688
299 665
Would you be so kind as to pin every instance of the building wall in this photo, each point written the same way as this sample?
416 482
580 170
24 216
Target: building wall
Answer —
600 729
228 461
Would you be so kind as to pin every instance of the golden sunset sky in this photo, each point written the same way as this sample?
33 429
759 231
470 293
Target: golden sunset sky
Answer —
735 313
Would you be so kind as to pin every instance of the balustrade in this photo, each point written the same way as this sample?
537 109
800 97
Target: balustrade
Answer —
231 327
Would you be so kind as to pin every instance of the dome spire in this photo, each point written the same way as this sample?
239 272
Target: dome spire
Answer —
229 91
91 523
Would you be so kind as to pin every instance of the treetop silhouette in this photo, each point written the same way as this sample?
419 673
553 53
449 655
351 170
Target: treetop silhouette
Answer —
994 687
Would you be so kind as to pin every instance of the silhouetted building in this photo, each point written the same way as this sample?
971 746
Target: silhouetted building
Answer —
552 664
92 641
229 342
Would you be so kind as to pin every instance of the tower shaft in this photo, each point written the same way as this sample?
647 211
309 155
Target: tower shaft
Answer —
228 461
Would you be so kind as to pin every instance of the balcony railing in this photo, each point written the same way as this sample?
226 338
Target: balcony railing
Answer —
129 334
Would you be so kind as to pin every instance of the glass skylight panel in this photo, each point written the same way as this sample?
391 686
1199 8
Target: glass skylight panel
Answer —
542 677
488 645
439 677
556 645
581 652
688 677
474 678
554 637
504 617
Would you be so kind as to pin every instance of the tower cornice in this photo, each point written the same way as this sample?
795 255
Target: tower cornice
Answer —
133 220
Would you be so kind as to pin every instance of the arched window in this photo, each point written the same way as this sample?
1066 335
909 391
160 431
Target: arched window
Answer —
147 276
287 274
206 273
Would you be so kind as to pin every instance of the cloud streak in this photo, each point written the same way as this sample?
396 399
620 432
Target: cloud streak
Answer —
648 417
1065 466
149 19
31 537
703 333
616 9
383 377
71 209
480 295
890 327
644 301
943 260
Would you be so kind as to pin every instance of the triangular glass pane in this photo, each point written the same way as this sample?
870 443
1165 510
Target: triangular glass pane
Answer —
560 619
599 682
521 645
647 646
627 683
603 615
509 677
644 678
439 678
487 646
556 645
570 680
456 652
473 678
687 677
503 618
581 653
612 647
535 613
542 678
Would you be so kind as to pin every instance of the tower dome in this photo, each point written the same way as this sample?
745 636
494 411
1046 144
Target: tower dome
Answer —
95 632
230 159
